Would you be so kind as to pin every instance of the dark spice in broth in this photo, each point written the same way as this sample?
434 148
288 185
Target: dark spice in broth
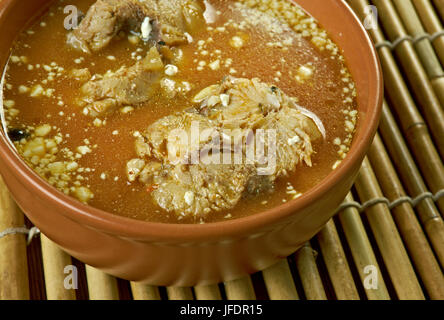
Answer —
85 155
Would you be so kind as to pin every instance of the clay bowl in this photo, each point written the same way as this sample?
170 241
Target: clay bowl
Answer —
167 254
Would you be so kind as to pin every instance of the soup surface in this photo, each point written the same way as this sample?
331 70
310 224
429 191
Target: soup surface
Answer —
82 137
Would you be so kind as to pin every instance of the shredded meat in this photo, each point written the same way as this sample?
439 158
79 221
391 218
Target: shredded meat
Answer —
181 168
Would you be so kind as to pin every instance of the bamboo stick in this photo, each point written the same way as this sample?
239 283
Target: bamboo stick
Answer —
210 292
415 130
408 225
54 262
180 293
336 263
240 289
413 126
309 274
415 28
362 251
387 237
14 283
432 24
413 182
279 282
101 286
144 292
440 6
415 73
423 48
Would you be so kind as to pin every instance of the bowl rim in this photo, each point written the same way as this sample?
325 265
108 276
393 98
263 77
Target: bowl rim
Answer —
169 232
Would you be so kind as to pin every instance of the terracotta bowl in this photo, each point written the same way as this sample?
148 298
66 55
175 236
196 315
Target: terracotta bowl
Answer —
168 254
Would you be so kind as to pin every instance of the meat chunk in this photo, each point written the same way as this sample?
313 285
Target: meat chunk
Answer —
104 20
177 137
126 86
170 19
238 139
199 189
254 105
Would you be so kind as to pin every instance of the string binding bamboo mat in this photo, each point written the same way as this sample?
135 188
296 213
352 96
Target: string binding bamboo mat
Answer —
391 223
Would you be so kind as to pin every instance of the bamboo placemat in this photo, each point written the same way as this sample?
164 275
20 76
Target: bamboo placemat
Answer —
391 222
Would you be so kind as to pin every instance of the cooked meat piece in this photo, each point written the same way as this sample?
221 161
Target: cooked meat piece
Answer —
199 189
294 134
165 138
104 20
252 105
268 135
245 103
170 19
126 86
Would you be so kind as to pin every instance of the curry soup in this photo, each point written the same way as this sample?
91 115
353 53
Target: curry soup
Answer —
83 148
